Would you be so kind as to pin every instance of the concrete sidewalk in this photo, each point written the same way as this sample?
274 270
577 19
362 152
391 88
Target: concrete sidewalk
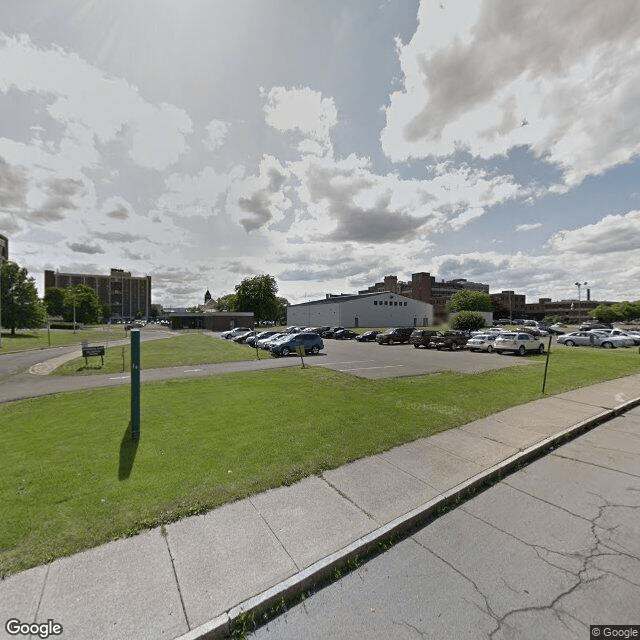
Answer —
191 578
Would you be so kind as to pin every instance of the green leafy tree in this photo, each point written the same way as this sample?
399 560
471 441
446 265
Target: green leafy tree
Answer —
258 294
467 321
467 300
54 301
281 316
604 313
226 303
21 308
88 308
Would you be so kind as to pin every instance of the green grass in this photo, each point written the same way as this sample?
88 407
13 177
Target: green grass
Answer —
180 350
71 478
42 338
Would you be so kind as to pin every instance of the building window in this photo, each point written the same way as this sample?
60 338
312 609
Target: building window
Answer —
375 302
385 303
405 304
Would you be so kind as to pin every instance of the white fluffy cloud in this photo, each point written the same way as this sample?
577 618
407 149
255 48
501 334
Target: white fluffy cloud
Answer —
303 110
560 77
89 104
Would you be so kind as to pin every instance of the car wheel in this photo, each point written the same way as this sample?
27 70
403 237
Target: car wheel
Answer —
315 350
285 351
607 345
416 346
541 349
570 343
521 350
499 352
489 348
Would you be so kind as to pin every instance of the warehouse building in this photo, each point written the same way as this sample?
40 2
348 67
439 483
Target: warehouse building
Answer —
383 309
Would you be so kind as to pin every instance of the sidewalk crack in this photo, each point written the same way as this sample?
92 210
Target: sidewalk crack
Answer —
165 535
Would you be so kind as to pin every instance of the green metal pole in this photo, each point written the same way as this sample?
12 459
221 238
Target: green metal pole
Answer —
546 365
135 384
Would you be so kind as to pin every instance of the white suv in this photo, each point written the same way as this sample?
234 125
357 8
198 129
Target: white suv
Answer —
518 342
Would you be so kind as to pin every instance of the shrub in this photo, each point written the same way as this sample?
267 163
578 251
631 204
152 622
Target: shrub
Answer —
467 321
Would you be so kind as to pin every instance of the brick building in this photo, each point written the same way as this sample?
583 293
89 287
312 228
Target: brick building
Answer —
125 295
424 287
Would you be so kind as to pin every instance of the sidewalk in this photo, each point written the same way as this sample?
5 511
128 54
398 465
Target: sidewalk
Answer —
191 578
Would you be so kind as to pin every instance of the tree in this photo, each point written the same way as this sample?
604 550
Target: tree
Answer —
88 309
258 294
21 308
467 300
281 316
226 303
54 301
468 321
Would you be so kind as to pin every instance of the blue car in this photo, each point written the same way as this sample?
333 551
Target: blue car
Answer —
311 342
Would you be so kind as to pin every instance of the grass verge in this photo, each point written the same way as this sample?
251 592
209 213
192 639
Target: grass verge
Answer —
25 339
183 349
72 478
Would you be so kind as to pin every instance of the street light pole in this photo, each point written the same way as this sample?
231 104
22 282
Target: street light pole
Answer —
579 284
1 264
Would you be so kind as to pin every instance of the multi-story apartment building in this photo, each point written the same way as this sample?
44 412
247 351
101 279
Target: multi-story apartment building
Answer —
125 295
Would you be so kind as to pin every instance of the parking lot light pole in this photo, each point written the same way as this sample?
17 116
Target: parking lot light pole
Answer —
579 285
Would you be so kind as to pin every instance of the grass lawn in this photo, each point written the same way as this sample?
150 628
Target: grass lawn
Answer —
42 338
183 349
71 477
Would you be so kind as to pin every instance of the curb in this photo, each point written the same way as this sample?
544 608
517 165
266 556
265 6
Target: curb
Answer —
220 627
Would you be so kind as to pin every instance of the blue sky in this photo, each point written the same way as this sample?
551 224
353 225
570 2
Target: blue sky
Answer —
326 142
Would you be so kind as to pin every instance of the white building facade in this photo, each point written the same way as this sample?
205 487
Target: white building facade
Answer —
365 310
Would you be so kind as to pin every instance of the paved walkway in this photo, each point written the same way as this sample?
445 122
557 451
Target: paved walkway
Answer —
191 578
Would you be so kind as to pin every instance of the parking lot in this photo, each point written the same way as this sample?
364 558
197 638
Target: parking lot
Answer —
370 360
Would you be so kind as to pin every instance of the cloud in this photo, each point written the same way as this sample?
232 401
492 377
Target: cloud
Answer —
261 196
217 132
115 236
13 186
612 234
91 249
303 110
92 105
119 213
60 194
529 227
558 77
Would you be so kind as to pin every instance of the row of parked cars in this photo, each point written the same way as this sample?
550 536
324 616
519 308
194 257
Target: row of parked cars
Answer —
279 343
521 341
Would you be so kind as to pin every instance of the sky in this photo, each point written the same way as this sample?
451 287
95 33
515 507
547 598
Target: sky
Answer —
328 143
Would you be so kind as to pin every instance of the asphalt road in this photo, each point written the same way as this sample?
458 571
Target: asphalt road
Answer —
544 554
371 360
23 374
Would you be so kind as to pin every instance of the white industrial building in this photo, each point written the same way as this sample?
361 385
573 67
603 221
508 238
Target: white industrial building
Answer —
363 310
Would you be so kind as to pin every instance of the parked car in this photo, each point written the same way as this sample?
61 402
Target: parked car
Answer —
345 334
329 333
367 336
591 339
311 342
588 326
263 335
395 334
482 342
264 343
520 342
241 337
450 340
232 333
422 337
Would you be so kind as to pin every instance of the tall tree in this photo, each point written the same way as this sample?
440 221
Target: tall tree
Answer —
226 302
467 300
88 308
21 308
258 294
54 301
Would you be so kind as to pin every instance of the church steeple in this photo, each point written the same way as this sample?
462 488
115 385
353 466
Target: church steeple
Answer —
207 296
